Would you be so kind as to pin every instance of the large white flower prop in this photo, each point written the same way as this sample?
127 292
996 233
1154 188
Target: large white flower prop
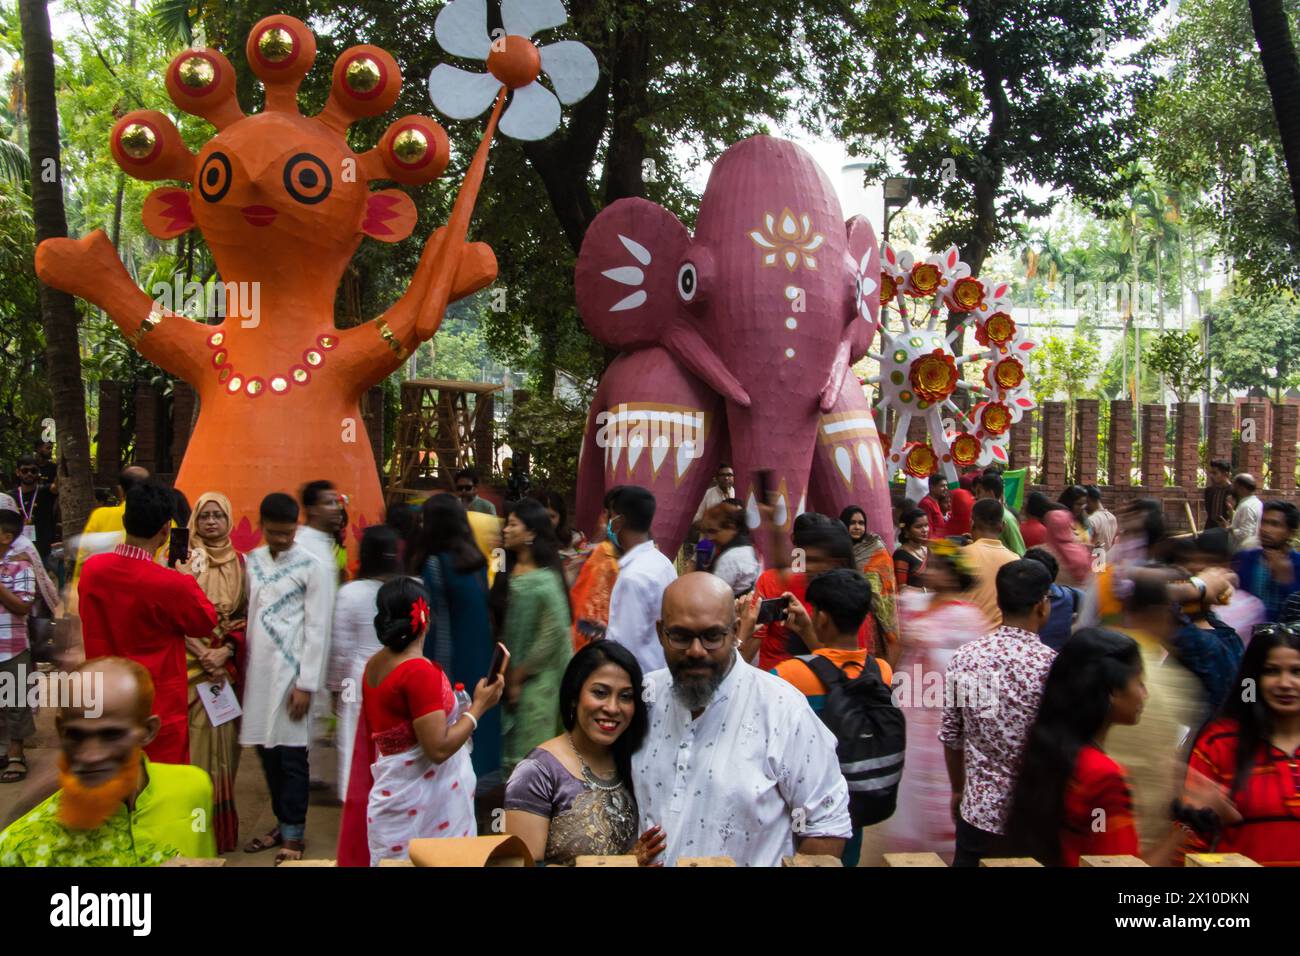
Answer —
513 62
919 372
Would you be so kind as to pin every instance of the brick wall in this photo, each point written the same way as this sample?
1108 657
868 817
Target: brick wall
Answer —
1187 436
1222 420
1252 424
1154 421
1286 433
184 404
1086 419
1121 444
1182 501
148 424
1052 417
108 455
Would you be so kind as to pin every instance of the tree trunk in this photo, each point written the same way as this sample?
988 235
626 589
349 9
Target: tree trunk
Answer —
1277 55
58 310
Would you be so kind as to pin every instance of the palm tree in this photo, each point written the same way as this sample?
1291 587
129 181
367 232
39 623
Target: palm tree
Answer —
58 310
13 146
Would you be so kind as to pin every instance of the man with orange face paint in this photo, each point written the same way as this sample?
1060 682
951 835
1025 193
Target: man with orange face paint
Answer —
114 807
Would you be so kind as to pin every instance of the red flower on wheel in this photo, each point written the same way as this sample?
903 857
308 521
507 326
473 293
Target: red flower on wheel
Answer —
998 330
1009 374
888 288
920 461
968 294
996 418
965 450
934 376
924 279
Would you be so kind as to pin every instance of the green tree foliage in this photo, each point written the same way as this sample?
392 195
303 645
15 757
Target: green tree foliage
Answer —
1255 344
1064 367
1178 357
550 430
1112 384
1212 129
24 392
981 98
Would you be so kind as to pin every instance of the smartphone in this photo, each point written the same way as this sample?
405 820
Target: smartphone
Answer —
178 548
772 609
763 483
592 630
704 552
500 658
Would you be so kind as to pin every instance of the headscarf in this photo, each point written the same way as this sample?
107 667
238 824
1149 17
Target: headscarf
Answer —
216 565
26 547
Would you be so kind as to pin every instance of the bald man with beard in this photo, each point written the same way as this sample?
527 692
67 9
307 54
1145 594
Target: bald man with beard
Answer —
735 762
113 807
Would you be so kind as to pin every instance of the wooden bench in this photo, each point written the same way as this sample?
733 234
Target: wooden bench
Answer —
706 861
1219 859
1011 861
605 861
810 859
1111 861
913 859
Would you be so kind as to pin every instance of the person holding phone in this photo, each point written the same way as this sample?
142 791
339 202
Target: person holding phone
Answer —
572 795
410 760
217 658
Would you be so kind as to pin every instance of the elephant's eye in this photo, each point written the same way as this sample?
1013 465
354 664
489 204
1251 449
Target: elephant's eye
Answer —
307 179
214 177
687 281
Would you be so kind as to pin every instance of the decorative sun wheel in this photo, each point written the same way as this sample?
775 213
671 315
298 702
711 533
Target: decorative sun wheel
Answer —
919 372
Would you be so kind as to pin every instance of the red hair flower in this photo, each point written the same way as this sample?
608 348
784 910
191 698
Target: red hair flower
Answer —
419 615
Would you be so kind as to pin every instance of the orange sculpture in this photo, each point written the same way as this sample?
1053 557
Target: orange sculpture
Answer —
283 203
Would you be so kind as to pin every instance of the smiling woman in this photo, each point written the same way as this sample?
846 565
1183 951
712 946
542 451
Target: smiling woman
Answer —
572 795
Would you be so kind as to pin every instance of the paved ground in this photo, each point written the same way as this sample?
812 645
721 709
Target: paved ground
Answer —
255 817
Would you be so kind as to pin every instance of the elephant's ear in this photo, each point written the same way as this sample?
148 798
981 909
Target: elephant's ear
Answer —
626 279
863 263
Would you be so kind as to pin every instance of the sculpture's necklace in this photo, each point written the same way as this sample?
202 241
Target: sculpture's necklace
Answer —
255 386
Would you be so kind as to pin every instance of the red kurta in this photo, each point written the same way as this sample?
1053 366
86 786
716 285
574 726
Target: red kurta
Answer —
132 607
1098 810
1269 800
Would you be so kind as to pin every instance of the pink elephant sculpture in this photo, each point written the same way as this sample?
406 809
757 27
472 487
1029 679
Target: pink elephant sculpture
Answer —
737 344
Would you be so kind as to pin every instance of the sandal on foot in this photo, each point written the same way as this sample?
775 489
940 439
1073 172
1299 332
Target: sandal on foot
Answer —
13 776
267 842
294 847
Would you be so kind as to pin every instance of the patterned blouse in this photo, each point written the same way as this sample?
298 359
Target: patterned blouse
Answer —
991 693
585 821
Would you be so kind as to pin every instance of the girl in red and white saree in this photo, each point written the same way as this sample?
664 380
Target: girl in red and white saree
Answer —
411 775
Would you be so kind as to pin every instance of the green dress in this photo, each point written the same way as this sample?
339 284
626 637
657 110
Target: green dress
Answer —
536 633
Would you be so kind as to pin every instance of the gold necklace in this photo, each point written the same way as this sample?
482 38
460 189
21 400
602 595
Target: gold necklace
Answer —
254 386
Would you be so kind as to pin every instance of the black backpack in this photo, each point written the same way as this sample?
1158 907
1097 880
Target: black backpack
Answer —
871 735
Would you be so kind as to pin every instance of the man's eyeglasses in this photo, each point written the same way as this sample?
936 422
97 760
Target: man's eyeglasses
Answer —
711 640
464 489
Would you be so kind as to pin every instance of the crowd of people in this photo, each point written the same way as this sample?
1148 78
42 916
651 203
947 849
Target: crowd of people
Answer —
1051 681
